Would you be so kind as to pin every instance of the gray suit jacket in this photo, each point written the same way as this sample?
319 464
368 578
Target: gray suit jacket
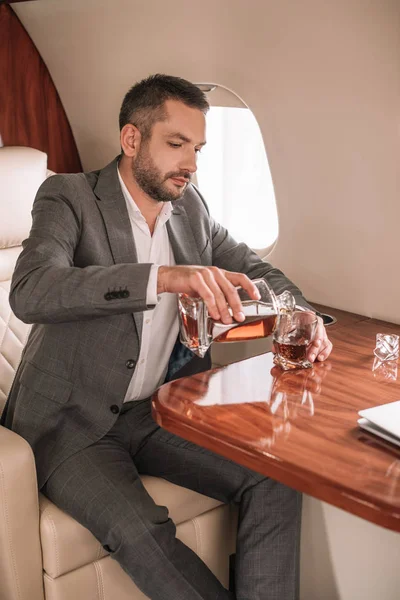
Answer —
78 280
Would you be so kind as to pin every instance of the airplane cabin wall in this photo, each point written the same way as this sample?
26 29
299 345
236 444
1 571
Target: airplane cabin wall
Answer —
323 80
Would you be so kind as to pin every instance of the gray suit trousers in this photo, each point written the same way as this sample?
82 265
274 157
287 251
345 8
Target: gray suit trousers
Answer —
101 488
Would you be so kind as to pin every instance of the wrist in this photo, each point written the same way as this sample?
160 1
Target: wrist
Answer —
161 279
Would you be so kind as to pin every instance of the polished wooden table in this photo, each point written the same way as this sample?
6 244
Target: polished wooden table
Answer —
300 427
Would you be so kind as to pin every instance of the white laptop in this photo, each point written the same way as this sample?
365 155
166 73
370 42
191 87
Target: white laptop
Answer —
383 420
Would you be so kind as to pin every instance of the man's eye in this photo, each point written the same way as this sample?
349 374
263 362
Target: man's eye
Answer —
197 150
173 145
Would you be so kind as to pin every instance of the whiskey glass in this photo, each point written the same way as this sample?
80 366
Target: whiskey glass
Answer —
292 337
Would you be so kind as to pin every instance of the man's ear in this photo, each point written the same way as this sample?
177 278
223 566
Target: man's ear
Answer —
130 138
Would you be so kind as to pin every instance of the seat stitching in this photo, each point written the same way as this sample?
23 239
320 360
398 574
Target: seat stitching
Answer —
7 324
99 578
46 514
197 530
5 390
27 332
99 552
6 359
10 328
7 521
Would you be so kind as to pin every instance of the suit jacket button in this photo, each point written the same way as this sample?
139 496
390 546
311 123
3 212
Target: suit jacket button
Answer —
125 294
107 296
130 363
114 409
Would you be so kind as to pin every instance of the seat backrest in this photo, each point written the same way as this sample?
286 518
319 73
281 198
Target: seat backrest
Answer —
22 170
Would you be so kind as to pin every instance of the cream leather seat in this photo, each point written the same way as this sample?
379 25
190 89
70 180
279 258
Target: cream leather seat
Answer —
44 553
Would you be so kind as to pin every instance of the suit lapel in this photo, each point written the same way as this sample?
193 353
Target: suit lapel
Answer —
181 237
112 206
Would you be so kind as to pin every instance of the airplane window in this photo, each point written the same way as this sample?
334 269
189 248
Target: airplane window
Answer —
234 177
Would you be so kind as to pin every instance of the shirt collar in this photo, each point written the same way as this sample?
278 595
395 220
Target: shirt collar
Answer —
133 209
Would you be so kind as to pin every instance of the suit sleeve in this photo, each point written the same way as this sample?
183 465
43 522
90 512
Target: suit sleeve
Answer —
46 286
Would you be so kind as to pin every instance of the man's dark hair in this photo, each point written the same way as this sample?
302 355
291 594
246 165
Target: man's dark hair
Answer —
143 105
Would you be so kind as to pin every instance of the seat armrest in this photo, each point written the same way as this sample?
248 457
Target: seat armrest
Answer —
20 552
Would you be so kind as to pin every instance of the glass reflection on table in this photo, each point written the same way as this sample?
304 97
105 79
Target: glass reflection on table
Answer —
284 395
384 370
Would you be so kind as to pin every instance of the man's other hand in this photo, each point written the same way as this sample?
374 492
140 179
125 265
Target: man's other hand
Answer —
321 346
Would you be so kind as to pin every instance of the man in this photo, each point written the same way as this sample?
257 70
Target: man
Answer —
98 277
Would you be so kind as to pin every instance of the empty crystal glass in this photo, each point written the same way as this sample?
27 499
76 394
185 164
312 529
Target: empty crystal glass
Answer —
198 330
387 346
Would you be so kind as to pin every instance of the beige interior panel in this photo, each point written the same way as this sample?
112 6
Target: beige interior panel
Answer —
343 557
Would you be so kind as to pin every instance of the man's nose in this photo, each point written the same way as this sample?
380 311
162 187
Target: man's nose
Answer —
189 163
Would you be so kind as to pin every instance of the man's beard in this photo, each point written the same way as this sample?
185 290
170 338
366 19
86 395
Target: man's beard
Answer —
153 182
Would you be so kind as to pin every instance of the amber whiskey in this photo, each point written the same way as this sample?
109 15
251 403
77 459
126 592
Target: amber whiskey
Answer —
252 328
260 322
190 326
292 352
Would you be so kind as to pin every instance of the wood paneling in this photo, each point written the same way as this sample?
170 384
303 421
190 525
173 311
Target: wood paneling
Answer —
300 427
31 113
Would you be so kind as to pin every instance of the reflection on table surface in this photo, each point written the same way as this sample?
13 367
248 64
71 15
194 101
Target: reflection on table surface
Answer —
281 395
265 399
299 427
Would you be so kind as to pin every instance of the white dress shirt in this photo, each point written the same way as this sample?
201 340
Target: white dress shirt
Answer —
160 325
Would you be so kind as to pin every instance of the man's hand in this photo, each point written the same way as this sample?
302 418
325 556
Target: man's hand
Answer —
321 347
215 286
